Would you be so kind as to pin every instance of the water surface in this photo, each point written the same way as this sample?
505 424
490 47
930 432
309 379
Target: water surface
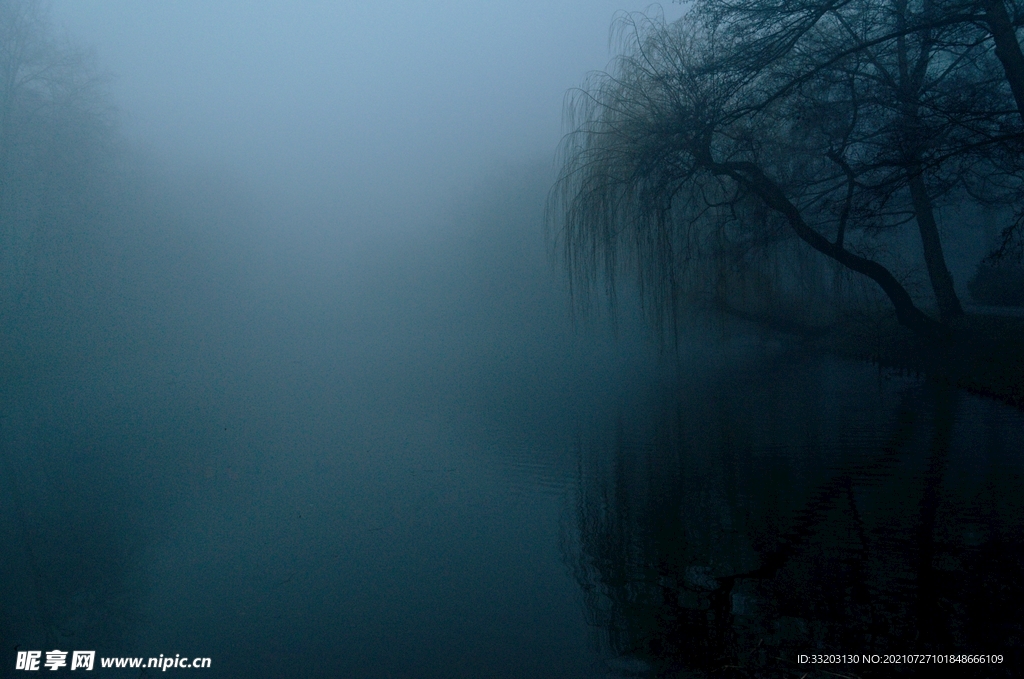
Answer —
805 505
411 463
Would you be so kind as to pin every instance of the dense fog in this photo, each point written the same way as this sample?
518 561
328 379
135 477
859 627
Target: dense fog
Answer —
282 259
293 375
365 114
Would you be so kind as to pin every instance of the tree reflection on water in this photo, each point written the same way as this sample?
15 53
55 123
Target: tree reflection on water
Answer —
813 507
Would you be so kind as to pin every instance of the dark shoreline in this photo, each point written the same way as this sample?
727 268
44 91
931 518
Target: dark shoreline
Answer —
984 353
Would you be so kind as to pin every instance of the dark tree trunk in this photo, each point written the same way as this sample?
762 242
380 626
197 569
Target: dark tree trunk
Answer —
751 177
913 71
1007 48
934 259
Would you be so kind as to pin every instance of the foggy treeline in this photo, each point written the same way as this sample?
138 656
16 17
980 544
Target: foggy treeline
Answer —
55 158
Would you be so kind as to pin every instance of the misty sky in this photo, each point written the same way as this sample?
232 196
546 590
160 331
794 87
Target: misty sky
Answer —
348 104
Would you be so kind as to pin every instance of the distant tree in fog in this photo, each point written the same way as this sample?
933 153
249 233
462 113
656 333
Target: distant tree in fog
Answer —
53 115
718 138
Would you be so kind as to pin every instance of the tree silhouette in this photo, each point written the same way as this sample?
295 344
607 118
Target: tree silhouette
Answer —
748 122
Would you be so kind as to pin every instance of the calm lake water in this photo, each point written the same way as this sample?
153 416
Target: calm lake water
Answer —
792 505
402 465
810 506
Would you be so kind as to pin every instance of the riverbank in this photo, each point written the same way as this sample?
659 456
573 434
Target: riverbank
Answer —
984 353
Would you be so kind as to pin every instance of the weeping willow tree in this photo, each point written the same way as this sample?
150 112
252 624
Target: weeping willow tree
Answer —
694 175
624 201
